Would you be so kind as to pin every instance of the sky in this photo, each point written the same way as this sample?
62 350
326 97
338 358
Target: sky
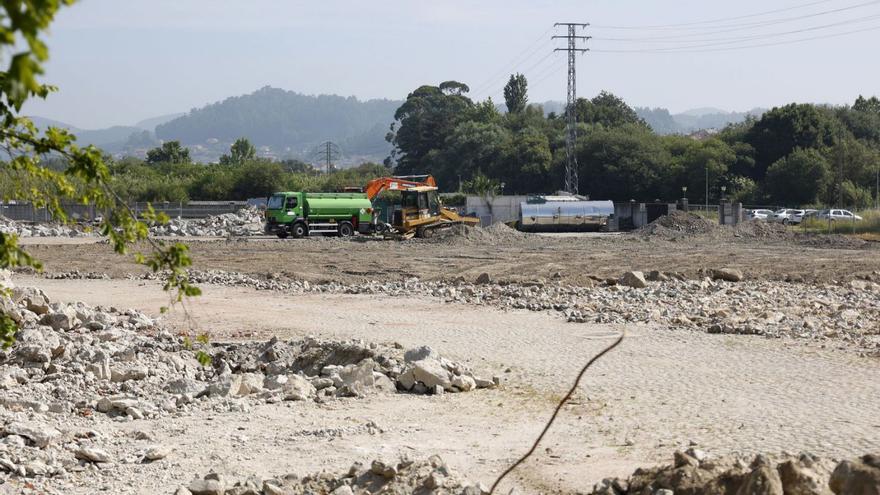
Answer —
118 62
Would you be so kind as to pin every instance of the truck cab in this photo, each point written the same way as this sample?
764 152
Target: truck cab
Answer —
300 214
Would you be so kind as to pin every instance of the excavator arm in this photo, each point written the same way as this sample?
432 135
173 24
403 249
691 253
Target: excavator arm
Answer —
376 186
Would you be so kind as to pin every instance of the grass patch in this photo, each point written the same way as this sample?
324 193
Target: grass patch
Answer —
869 225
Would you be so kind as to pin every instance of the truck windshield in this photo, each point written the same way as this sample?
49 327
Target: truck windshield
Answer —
275 202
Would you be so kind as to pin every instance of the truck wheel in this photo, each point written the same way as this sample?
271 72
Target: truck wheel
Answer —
345 229
282 234
298 230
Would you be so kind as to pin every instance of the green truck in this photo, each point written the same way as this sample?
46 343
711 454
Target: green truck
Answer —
299 214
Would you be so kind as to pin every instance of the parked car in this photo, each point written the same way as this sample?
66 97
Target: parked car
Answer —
760 214
788 216
835 215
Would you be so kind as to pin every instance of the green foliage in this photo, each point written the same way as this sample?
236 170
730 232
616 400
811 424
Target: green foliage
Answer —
241 151
815 148
84 176
8 328
798 178
516 93
169 152
482 186
607 110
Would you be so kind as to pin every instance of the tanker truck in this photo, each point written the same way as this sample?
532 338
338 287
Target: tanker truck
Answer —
299 214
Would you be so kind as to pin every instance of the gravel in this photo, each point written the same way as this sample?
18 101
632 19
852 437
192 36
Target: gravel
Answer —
73 361
846 313
401 477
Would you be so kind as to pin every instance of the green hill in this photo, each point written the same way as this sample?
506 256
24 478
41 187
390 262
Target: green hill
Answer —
288 123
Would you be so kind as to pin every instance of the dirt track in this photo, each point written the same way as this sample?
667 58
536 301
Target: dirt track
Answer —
661 391
517 257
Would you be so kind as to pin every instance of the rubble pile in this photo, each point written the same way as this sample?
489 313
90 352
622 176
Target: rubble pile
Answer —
695 473
74 361
678 224
720 302
402 477
246 221
495 234
8 226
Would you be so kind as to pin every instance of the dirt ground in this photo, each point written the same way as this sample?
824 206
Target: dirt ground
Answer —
515 257
662 390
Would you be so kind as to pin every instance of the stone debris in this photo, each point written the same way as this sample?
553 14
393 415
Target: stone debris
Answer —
824 312
21 229
246 221
401 477
74 361
698 474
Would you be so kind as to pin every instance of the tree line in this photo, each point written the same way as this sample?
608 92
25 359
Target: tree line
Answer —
797 154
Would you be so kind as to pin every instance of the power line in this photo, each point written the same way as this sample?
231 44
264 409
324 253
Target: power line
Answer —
741 39
736 28
533 48
713 21
743 47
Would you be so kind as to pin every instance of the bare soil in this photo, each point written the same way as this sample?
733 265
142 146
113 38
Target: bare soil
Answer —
662 390
505 256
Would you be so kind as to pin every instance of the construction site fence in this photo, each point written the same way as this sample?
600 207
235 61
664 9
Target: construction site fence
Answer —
26 212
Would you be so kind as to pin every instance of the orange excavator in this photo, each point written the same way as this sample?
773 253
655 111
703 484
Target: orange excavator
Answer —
421 212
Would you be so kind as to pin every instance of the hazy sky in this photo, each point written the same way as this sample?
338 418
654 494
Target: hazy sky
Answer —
117 62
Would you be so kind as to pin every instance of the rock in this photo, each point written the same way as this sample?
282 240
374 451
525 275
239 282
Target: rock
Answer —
157 452
483 279
342 490
92 454
857 477
40 435
464 383
62 319
207 487
383 469
634 279
656 276
763 480
800 480
297 388
420 353
431 373
727 274
357 380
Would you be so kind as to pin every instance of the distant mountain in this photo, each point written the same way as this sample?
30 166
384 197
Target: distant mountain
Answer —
150 124
285 124
109 139
692 120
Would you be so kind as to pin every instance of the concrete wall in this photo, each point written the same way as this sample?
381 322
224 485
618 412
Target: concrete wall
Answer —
496 209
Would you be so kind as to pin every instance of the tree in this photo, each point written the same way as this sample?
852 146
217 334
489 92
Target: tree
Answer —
869 105
85 179
169 152
781 130
607 110
422 124
240 152
516 93
454 88
799 178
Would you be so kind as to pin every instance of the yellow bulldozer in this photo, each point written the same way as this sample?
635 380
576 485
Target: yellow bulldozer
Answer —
421 213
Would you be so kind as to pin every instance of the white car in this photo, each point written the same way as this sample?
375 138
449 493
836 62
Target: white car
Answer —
788 216
760 214
836 215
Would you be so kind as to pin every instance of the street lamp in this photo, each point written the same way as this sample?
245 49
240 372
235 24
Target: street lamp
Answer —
684 191
723 190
